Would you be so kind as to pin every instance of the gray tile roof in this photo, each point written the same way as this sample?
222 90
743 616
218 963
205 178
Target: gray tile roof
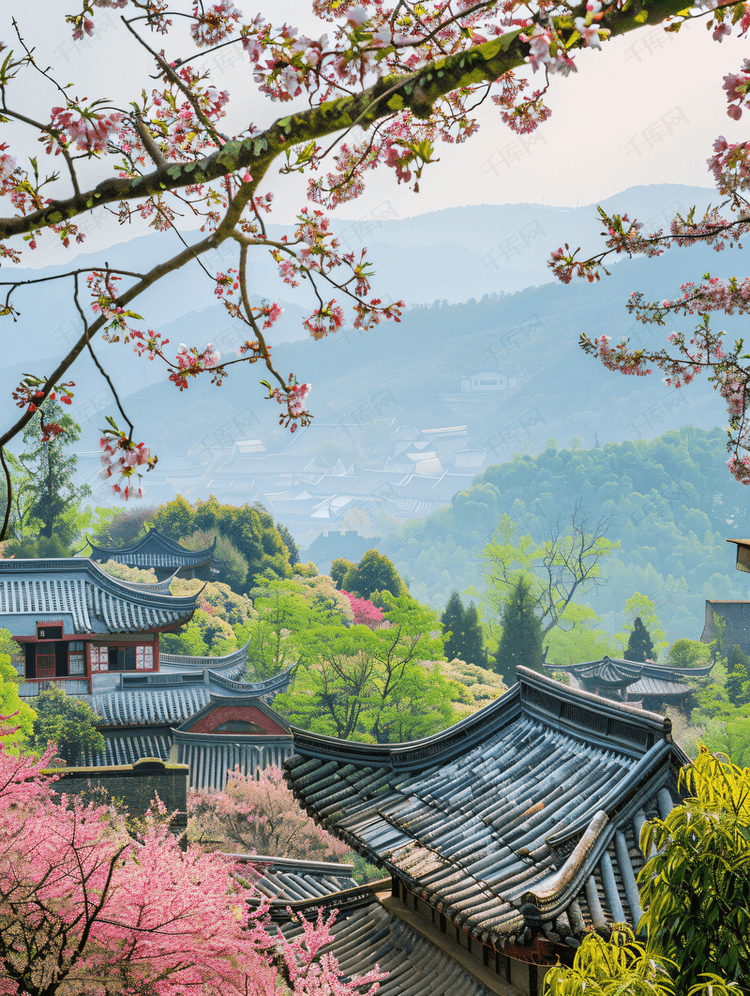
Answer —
521 818
229 666
367 934
616 671
291 880
210 756
171 698
129 747
149 705
86 599
155 549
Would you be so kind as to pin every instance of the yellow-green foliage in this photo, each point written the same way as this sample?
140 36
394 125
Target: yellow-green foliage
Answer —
133 574
475 687
227 605
321 590
14 712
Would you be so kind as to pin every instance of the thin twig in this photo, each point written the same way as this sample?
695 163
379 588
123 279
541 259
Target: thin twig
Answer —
94 357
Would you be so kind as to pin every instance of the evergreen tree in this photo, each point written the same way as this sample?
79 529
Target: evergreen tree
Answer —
46 496
466 640
473 649
521 642
453 627
640 646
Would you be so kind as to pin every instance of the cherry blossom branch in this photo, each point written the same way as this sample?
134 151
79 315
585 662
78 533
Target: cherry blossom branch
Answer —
155 274
174 78
416 92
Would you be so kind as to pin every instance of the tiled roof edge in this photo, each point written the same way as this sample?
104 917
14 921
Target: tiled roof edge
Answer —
418 753
645 670
114 586
293 864
261 739
156 535
249 699
590 836
599 719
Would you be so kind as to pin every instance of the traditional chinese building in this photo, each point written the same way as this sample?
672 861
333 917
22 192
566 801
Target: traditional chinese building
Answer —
195 712
649 685
162 555
512 833
79 626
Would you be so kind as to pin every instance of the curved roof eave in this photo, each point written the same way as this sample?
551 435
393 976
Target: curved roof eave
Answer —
153 537
634 668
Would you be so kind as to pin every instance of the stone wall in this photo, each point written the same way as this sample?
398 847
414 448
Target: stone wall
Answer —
135 786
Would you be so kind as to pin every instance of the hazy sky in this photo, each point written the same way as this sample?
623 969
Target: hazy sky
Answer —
645 109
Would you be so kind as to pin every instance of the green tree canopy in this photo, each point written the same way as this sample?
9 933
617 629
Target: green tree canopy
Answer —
373 574
453 624
364 684
232 566
555 570
20 716
250 529
289 542
339 569
689 653
738 677
66 721
694 893
462 632
46 501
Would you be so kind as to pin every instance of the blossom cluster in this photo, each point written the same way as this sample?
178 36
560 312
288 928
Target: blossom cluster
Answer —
293 397
365 613
191 361
82 899
123 458
86 127
31 394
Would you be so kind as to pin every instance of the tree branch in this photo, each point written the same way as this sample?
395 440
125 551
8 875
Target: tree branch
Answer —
414 92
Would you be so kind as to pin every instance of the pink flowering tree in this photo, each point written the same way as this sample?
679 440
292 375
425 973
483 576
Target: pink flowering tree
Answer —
378 89
365 613
259 817
86 909
685 354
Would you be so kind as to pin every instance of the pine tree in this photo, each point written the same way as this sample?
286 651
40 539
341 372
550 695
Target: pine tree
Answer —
466 640
521 642
473 648
48 495
453 625
640 646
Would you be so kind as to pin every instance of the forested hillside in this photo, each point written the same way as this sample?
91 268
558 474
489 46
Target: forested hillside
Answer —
669 502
